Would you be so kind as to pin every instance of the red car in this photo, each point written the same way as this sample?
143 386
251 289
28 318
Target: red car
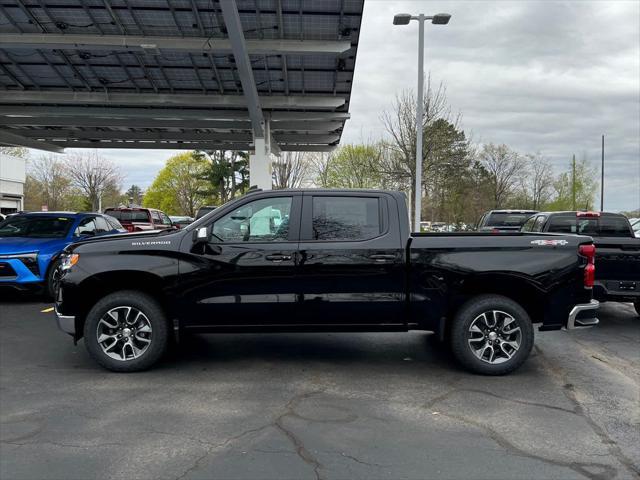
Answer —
139 219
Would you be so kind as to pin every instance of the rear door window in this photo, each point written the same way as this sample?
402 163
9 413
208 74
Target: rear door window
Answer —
86 226
528 226
101 225
345 218
538 223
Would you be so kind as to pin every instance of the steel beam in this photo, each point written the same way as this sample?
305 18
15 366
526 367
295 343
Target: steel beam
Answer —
307 138
163 145
13 139
82 121
161 113
243 64
175 100
151 44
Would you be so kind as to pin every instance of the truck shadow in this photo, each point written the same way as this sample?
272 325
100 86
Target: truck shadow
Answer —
300 349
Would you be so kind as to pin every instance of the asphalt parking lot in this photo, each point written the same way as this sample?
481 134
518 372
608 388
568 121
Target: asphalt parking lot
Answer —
318 406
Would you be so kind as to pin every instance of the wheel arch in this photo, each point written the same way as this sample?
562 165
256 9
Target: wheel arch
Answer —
93 288
524 291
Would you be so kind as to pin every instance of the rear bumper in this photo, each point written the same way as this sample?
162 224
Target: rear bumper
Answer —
66 323
617 290
583 315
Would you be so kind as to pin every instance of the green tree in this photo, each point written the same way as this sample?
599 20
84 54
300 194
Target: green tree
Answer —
178 188
226 174
575 189
354 166
47 184
134 195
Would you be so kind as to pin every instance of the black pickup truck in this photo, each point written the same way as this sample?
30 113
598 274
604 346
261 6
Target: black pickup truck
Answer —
617 250
317 261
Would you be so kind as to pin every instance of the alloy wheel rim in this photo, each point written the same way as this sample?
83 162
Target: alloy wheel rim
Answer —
124 333
494 337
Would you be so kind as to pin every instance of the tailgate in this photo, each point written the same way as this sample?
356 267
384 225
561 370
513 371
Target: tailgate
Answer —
617 259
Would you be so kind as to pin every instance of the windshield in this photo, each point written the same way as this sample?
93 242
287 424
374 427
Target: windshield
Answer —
36 227
507 219
129 215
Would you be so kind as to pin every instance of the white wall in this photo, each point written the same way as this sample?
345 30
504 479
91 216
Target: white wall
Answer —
12 178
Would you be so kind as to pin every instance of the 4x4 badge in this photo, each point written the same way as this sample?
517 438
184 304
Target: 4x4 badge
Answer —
552 243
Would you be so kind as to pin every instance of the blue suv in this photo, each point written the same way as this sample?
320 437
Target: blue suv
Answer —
30 244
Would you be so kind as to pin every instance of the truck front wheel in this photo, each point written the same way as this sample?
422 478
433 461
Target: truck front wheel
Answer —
126 331
491 335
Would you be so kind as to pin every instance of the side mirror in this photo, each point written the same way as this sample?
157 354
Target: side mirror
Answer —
201 235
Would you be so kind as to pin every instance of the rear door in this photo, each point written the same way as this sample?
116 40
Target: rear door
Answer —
351 268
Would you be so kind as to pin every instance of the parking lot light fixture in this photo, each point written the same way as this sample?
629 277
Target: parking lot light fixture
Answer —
441 19
404 19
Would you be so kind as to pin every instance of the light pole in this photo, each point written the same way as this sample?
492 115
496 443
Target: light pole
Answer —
404 19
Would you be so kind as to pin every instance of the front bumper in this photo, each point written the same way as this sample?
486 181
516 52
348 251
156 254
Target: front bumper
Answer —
583 315
66 323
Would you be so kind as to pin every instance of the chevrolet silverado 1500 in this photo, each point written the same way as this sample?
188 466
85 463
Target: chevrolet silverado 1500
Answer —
318 261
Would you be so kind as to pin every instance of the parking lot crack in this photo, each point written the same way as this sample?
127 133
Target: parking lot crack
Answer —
362 462
607 471
300 449
569 391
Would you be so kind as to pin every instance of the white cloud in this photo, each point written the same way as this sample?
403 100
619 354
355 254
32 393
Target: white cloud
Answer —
539 76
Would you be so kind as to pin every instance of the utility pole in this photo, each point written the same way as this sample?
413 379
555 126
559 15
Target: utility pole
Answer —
602 179
573 182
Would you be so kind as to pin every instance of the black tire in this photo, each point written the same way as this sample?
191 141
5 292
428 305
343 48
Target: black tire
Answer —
51 285
507 311
153 314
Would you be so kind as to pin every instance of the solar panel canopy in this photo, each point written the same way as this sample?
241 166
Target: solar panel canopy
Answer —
186 74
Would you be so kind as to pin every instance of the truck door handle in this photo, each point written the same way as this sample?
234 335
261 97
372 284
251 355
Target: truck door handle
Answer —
278 257
381 257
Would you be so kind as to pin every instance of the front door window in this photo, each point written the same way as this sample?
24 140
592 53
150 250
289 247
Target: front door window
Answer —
265 220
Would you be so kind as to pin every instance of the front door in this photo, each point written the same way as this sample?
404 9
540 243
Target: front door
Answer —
244 274
351 266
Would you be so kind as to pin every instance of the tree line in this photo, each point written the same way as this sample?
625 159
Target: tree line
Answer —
461 178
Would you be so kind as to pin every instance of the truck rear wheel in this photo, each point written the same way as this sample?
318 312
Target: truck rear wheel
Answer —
126 331
491 335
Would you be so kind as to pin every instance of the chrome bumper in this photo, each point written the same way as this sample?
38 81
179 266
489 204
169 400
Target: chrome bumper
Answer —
574 322
66 323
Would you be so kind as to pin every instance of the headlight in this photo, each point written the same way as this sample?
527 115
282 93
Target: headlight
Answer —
30 260
69 261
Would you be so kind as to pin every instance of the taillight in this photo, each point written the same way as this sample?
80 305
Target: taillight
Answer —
589 251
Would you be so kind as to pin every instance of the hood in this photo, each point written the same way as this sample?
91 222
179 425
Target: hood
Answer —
125 239
13 245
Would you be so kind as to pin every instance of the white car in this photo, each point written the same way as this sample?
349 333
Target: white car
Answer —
635 225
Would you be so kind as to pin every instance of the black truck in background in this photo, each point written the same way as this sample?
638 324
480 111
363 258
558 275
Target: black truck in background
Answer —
617 250
318 261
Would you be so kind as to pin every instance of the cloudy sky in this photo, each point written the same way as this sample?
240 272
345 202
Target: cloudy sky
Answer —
547 76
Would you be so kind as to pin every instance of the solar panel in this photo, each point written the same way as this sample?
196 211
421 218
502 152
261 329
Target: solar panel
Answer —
173 59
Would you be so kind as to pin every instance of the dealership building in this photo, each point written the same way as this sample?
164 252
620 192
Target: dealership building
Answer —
12 178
